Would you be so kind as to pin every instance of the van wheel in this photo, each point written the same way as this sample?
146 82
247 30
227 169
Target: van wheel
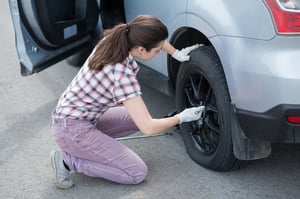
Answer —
201 81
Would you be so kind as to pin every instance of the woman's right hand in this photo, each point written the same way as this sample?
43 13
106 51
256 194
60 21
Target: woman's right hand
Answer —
190 114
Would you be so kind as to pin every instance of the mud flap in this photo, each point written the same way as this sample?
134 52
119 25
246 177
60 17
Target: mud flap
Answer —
245 148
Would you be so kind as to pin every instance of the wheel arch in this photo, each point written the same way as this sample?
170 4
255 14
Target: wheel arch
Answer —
183 37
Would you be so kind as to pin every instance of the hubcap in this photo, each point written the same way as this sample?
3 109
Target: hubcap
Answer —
206 131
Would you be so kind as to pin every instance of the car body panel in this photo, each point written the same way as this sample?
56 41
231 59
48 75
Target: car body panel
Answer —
259 87
232 18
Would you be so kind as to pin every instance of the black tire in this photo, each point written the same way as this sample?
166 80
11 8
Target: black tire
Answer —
201 81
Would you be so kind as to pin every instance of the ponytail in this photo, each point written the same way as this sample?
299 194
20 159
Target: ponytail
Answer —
112 49
145 31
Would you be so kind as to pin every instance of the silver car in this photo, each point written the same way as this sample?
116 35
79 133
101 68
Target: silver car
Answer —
247 72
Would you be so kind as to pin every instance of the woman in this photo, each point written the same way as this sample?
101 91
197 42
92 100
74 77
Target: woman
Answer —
104 102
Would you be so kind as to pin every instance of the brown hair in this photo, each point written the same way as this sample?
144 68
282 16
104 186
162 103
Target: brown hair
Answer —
145 31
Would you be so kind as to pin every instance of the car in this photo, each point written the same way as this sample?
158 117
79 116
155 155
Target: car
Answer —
246 73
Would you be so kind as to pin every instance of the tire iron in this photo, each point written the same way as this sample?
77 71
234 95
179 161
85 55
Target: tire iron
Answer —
142 136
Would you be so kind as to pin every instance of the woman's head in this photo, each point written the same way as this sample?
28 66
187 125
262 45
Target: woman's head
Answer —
144 31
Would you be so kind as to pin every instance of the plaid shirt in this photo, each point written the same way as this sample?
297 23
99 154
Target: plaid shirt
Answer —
91 93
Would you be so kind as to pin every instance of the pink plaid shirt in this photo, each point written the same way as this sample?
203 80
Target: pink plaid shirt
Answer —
91 93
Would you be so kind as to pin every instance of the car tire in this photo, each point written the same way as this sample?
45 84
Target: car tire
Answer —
201 81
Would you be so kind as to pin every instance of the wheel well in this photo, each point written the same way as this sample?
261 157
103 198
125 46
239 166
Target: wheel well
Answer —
182 38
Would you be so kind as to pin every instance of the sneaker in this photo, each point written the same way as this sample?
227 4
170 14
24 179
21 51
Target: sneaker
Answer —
62 179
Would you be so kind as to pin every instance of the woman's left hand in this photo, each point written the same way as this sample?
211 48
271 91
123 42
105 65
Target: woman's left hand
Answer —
183 54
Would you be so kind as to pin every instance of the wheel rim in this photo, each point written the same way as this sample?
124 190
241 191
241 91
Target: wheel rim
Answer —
205 132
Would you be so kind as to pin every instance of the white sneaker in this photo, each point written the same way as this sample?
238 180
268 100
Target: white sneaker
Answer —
62 175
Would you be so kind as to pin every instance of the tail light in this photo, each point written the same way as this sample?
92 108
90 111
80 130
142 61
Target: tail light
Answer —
293 119
286 15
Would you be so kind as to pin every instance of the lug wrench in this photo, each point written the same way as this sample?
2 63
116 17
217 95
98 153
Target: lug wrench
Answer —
148 136
142 136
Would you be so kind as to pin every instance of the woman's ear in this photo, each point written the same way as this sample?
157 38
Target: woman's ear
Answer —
138 51
141 49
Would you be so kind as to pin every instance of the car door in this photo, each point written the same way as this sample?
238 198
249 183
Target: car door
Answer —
47 31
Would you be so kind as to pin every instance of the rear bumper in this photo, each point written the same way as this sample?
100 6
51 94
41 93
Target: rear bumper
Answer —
271 125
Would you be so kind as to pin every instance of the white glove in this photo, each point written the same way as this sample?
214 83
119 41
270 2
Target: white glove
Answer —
183 54
190 114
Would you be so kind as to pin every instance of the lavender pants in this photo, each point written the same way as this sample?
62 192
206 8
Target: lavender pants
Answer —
90 148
